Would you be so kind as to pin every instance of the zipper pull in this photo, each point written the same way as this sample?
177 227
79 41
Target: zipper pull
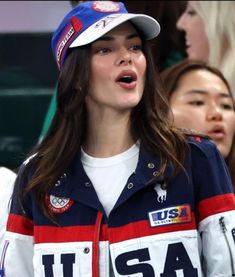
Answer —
233 234
2 269
222 225
2 273
224 230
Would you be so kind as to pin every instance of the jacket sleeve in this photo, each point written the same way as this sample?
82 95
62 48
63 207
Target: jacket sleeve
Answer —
7 180
17 253
215 210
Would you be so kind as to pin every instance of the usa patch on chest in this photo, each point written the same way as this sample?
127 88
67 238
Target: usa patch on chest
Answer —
58 205
170 215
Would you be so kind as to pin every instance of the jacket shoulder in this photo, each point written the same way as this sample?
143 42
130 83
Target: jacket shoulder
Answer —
193 135
199 142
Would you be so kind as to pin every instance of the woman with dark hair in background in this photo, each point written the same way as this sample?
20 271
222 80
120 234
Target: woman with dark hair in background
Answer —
201 99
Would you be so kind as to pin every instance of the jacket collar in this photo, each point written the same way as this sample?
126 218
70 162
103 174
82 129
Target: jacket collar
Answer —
75 184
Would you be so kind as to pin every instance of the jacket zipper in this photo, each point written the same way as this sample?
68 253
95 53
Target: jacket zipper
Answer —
2 270
224 231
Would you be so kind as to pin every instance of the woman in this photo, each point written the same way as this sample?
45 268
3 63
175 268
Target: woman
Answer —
169 49
201 99
112 180
210 37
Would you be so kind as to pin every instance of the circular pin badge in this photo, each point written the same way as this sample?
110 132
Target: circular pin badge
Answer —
106 6
58 205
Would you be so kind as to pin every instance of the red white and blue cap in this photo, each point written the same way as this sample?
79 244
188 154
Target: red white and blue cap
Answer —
90 20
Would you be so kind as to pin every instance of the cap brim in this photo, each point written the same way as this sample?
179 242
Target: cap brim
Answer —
147 25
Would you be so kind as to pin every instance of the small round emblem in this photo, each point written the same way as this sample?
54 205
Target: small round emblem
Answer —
58 205
106 6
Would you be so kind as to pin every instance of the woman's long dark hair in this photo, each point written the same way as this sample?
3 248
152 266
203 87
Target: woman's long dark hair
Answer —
171 77
67 132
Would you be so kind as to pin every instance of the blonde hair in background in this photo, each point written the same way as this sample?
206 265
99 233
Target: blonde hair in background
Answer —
219 22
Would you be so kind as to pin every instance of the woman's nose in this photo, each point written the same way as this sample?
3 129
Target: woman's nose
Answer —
214 113
124 57
180 23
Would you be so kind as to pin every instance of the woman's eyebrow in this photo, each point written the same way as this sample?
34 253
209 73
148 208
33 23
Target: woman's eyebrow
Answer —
110 38
204 92
196 91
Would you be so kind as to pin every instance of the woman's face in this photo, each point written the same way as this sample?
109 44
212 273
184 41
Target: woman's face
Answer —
202 102
118 67
197 45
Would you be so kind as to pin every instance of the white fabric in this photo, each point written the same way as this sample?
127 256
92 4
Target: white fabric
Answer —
117 168
7 179
212 234
146 24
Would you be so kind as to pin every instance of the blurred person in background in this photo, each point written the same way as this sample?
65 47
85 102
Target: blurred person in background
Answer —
169 47
209 28
201 99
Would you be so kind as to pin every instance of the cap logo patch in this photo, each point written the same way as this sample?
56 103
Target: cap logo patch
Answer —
68 34
105 21
106 6
58 205
70 31
170 215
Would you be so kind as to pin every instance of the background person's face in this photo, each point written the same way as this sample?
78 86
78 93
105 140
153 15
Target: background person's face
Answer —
197 45
202 102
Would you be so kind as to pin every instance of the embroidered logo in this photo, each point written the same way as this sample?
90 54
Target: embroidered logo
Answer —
106 6
104 22
62 43
170 215
161 193
58 205
70 31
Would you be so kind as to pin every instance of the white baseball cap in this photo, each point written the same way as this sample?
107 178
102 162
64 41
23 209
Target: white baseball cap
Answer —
90 20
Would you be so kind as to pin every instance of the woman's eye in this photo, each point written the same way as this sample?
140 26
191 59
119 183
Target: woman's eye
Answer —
103 50
136 48
191 12
227 106
196 103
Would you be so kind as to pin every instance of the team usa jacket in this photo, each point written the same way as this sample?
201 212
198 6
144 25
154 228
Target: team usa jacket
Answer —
186 230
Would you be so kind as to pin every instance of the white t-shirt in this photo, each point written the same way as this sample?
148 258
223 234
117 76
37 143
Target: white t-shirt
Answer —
7 179
109 175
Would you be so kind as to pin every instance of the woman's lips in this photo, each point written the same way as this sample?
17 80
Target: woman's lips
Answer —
127 79
217 133
124 85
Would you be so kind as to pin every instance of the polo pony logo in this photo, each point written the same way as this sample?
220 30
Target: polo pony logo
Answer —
161 193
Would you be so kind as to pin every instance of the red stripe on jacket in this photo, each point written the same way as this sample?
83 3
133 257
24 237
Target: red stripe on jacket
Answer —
20 224
217 204
52 234
143 228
